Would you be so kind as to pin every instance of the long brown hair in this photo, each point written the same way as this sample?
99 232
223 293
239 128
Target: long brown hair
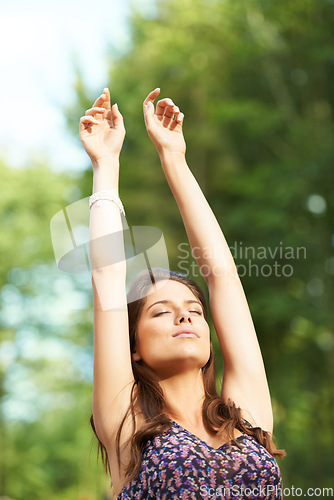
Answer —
147 397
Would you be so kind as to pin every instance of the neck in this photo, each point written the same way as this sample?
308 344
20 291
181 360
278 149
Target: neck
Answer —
184 396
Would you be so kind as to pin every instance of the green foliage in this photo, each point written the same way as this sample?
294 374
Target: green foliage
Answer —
45 363
254 81
30 197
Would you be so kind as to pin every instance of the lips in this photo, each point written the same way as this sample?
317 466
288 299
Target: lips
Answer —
186 333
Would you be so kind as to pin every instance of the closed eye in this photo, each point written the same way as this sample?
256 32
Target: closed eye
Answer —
168 312
160 313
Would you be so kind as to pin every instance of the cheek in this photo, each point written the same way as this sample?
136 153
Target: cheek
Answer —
206 328
147 339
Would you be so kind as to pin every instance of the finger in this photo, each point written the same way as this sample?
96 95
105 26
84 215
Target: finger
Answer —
177 113
151 97
100 101
106 104
87 121
116 116
103 100
97 112
148 113
169 111
180 118
168 116
177 121
90 119
161 106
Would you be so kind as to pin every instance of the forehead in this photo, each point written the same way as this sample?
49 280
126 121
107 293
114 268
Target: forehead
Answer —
170 290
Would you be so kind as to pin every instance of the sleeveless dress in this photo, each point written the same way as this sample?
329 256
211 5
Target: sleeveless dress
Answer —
179 465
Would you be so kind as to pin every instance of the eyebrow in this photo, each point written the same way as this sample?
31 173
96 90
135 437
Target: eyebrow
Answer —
189 301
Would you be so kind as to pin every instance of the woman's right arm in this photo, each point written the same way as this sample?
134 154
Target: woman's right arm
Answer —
102 134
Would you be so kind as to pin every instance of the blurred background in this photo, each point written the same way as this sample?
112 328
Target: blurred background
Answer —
255 81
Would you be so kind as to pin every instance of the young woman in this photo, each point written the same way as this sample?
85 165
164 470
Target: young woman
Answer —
163 430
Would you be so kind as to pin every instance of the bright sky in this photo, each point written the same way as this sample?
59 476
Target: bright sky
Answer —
38 40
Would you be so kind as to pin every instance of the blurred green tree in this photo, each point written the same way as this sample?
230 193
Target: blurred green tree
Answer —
45 364
258 74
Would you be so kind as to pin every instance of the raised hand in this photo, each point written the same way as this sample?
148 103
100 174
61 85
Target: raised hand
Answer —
164 125
102 129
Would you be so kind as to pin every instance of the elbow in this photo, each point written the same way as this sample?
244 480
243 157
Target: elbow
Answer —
114 271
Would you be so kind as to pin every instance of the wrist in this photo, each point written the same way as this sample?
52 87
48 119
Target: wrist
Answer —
166 156
169 159
106 174
106 162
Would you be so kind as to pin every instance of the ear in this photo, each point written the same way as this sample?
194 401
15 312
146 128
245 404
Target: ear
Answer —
136 356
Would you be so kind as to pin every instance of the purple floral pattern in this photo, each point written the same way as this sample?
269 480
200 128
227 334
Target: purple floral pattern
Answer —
179 465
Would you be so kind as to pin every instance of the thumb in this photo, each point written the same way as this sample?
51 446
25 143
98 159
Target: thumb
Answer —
149 112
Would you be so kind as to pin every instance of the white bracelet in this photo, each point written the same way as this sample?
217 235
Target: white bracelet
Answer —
106 195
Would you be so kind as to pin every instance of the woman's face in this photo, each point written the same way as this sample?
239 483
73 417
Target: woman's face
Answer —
172 334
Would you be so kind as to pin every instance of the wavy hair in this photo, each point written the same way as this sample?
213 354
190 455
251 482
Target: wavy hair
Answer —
147 397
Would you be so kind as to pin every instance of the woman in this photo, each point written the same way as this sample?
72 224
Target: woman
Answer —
163 430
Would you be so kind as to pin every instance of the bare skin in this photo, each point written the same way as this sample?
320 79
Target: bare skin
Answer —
176 361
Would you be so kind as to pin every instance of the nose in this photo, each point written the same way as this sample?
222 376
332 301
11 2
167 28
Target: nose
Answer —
183 317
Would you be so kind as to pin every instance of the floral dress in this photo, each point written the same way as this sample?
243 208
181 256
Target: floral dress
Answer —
179 465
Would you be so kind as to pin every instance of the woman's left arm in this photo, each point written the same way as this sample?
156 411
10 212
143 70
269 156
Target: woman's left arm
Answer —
244 379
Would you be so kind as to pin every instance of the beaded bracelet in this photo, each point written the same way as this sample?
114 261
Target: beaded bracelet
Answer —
106 195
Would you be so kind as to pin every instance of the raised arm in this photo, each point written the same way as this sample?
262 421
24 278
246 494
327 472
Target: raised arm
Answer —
244 379
102 134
